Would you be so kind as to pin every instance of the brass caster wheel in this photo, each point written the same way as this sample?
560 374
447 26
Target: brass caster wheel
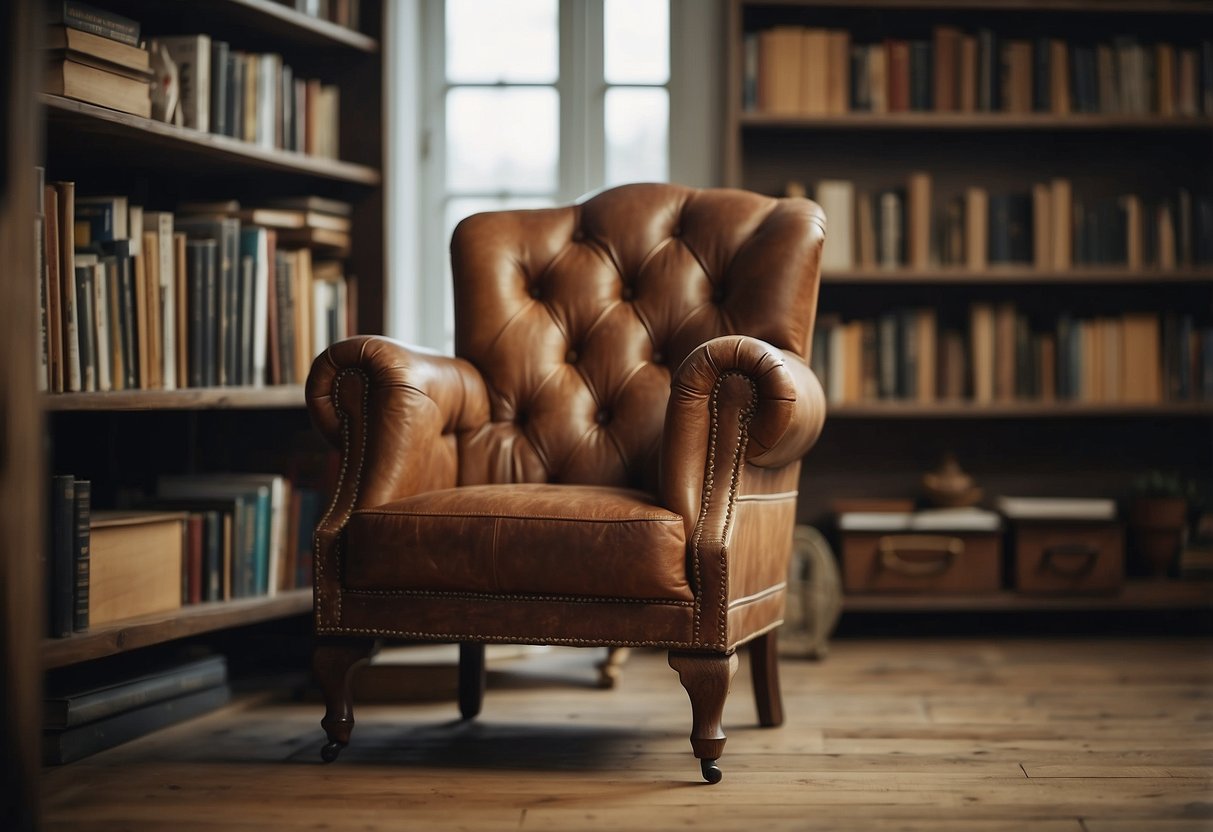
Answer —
711 771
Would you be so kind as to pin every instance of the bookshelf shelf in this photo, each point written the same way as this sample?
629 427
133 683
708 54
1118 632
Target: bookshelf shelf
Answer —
929 121
1022 275
1138 595
1191 7
299 27
1017 410
200 148
195 398
147 630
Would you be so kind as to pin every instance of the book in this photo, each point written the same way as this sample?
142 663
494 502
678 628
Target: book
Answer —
837 198
71 744
96 46
136 563
192 55
66 192
976 212
119 692
220 87
918 220
85 322
84 17
73 78
81 512
61 564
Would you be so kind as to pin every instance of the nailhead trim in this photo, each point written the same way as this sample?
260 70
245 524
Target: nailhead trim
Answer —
319 558
513 638
484 596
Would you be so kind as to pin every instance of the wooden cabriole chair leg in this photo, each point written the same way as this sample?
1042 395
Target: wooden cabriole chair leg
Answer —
471 679
706 677
333 662
611 668
764 670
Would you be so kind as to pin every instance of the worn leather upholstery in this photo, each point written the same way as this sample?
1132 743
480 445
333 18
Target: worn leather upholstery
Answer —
612 458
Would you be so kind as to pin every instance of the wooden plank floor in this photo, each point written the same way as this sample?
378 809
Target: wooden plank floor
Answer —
1061 735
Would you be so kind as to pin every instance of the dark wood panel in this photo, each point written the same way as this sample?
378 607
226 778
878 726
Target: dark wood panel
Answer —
1136 595
193 398
929 121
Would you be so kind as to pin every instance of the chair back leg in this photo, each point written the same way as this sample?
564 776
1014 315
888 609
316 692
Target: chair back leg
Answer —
471 679
764 670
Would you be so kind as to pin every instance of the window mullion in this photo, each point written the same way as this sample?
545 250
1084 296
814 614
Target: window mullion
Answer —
582 140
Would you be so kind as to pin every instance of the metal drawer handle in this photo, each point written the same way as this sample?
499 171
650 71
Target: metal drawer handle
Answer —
1072 560
893 549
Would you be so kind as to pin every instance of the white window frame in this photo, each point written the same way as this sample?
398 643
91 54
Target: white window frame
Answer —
421 310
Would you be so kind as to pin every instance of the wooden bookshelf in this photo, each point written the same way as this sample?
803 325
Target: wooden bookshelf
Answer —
977 122
1018 410
147 630
881 447
1137 595
123 441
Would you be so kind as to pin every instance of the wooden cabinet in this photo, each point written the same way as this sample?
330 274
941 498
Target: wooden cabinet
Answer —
122 441
1017 441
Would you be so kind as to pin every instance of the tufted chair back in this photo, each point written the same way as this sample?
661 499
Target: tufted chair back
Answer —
576 317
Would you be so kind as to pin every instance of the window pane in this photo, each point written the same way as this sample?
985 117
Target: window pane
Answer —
489 41
502 139
637 125
636 41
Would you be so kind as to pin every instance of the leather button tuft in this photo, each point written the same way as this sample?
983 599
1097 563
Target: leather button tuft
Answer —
535 291
627 293
603 416
717 294
578 236
676 231
571 357
658 356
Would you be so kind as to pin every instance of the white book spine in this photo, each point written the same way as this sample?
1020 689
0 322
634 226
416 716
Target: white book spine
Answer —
837 199
105 380
261 309
168 300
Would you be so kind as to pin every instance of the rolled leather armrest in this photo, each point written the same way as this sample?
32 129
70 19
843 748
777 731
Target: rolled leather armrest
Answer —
393 411
735 399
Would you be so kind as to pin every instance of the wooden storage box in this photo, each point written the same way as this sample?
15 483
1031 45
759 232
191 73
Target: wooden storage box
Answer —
135 561
1066 546
955 551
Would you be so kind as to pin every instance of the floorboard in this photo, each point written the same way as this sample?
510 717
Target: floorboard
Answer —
980 735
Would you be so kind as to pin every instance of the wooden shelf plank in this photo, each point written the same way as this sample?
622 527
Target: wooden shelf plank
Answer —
193 398
975 121
1014 410
1137 595
301 27
147 630
1022 275
196 145
1181 7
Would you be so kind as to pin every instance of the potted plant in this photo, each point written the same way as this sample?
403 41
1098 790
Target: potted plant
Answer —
1158 516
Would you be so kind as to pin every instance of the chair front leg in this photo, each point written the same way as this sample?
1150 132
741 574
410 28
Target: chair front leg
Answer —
334 661
764 671
706 677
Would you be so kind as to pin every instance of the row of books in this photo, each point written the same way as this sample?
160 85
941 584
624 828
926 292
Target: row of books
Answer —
191 81
214 295
81 716
800 70
248 95
199 538
1000 354
1049 227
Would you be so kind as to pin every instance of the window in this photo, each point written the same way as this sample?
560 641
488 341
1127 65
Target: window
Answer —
533 103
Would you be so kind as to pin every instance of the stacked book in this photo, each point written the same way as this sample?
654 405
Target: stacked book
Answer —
1002 354
1049 227
210 295
798 70
95 56
80 718
342 12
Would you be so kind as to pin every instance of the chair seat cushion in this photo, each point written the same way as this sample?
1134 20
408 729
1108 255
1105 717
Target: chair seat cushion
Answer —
529 539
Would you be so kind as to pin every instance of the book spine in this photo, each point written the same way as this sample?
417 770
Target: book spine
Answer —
85 328
130 342
220 88
86 18
82 514
62 579
197 287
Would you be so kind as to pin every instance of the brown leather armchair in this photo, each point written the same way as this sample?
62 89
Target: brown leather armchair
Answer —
612 458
